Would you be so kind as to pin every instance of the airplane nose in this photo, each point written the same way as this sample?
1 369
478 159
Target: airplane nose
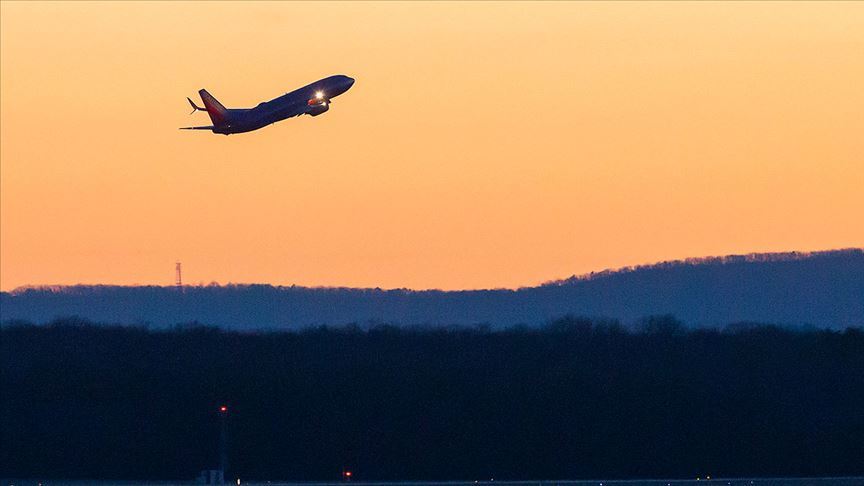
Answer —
349 82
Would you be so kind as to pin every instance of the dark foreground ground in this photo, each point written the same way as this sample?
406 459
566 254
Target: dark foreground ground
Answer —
850 481
575 399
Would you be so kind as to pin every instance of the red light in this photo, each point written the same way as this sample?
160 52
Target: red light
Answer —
348 473
223 409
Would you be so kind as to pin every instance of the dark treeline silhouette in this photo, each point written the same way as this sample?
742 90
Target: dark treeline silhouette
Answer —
824 289
573 399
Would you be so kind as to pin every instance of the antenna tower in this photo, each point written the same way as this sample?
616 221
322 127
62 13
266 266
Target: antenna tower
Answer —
178 281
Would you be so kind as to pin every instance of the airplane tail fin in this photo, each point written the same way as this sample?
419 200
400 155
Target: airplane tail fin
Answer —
217 112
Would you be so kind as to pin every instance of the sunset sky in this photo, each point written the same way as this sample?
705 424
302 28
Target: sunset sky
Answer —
483 144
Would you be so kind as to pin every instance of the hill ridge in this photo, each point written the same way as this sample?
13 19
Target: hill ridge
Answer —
707 260
823 289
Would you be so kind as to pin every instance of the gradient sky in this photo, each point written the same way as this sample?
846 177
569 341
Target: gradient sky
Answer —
483 144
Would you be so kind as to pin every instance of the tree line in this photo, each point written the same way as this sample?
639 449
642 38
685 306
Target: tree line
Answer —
577 398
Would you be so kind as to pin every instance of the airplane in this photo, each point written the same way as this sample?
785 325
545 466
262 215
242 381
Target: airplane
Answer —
312 99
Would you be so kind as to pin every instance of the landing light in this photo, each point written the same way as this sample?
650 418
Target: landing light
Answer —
319 95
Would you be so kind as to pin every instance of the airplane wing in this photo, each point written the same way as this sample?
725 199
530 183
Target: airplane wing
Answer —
211 127
296 109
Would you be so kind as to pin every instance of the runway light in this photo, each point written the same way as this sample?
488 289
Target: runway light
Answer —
223 409
319 95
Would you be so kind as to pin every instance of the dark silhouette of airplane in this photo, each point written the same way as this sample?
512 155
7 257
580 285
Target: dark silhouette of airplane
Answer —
312 99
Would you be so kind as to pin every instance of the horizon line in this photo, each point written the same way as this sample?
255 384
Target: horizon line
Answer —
754 257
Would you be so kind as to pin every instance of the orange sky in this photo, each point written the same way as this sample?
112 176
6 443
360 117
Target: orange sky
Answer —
483 144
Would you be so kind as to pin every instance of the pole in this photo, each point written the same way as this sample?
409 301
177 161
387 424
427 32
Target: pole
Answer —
223 440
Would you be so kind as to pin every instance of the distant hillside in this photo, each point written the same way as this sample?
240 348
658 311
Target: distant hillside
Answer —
823 289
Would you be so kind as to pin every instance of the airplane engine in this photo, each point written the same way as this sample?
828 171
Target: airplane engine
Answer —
318 109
